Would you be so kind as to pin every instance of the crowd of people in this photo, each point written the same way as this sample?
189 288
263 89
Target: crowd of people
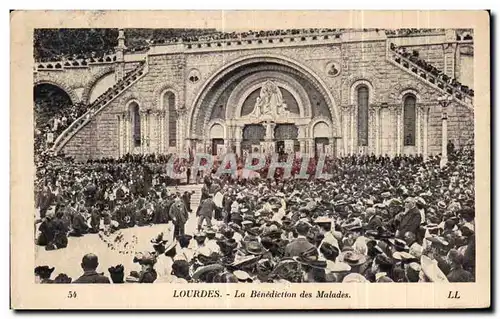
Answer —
377 219
246 35
410 31
88 57
413 56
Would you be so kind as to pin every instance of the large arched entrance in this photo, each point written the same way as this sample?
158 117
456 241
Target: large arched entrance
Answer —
49 100
265 104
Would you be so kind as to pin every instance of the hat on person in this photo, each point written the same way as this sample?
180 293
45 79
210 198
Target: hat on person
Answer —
395 202
399 244
254 247
44 271
353 224
337 266
200 271
170 245
403 256
353 258
323 220
438 240
240 261
254 231
354 278
385 194
200 236
311 258
241 275
329 251
145 258
246 223
467 228
62 279
441 204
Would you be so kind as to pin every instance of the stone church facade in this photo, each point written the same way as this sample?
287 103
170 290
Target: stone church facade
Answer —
338 93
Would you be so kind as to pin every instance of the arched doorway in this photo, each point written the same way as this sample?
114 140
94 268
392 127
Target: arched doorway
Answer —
49 100
217 138
286 136
231 95
253 136
321 134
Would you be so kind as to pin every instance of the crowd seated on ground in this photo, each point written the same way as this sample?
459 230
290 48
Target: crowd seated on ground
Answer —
377 219
413 56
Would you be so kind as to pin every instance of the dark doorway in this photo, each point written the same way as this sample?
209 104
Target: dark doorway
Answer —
215 143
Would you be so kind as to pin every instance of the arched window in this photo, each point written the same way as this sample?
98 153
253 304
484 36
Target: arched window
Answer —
169 105
409 115
136 126
363 96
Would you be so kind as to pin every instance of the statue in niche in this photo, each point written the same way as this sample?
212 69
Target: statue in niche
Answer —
270 100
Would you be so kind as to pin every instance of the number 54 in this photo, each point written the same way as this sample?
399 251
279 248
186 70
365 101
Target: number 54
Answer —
71 294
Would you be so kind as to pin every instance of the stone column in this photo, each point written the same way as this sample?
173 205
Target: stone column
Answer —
302 143
311 146
375 111
345 128
398 130
426 128
143 131
120 134
418 141
160 131
331 144
128 132
353 146
237 139
181 114
444 140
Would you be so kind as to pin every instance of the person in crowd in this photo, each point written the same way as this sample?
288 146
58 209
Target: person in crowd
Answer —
90 275
179 216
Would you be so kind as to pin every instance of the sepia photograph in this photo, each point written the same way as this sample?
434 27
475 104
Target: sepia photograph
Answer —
282 155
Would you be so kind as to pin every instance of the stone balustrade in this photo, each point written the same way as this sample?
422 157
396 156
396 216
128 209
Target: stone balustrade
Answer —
465 96
74 63
98 104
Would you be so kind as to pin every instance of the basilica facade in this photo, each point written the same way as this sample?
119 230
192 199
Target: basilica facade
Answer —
343 92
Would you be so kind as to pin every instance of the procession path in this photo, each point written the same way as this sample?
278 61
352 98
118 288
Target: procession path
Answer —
138 238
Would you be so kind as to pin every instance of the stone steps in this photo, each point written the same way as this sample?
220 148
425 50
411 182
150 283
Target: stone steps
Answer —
195 198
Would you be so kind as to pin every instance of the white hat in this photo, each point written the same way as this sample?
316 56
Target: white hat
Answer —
354 278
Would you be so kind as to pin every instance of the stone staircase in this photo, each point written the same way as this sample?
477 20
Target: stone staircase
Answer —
195 198
462 98
100 103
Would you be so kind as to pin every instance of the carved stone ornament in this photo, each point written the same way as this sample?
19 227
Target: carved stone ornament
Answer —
194 75
332 69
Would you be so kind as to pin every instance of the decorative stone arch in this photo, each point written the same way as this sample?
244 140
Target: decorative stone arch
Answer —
162 89
69 91
93 81
279 69
210 82
409 91
321 119
254 82
214 122
129 102
353 91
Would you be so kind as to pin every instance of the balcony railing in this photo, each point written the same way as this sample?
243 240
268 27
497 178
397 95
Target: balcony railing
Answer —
98 104
460 93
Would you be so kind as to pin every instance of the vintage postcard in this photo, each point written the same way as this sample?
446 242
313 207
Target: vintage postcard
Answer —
250 159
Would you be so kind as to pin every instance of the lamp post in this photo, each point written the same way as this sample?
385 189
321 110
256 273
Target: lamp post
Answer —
444 101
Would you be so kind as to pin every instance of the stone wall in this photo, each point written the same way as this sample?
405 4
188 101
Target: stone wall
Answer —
360 63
